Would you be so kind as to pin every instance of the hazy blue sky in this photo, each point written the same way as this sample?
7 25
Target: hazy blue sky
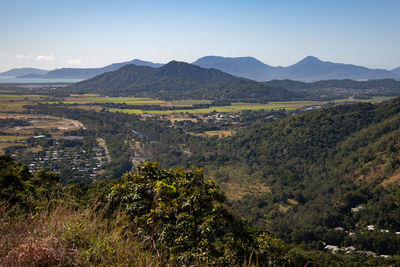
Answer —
53 34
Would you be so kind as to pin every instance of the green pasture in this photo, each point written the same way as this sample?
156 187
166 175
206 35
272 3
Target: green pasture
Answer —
13 106
10 138
237 107
189 102
7 98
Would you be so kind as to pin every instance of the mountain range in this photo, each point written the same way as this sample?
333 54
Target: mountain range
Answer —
23 71
309 69
179 80
85 73
396 71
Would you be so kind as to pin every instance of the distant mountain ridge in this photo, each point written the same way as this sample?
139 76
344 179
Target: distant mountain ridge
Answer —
246 67
396 71
86 73
179 80
308 69
23 71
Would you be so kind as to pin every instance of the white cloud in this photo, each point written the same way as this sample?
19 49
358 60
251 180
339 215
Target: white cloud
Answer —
28 56
75 61
3 55
20 56
47 58
308 46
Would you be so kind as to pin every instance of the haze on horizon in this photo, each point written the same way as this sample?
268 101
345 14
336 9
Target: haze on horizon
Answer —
53 34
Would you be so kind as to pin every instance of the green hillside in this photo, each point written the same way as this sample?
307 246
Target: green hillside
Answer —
312 169
179 80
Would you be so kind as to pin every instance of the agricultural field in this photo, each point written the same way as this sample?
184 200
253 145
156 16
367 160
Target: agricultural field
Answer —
14 103
236 107
95 99
15 100
38 125
189 102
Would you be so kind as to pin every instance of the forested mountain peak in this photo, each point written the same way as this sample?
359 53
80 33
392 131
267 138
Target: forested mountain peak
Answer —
179 80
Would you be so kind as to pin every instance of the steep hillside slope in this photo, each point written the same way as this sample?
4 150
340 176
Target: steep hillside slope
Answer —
306 175
319 165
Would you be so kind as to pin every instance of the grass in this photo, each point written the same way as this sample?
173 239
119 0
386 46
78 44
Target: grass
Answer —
237 107
376 99
189 102
237 183
6 98
64 234
87 95
3 146
8 138
219 133
13 106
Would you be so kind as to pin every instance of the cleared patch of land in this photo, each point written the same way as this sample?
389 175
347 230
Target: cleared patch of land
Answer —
51 124
219 133
39 124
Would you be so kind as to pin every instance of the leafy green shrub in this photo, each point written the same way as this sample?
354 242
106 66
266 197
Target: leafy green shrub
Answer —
19 187
183 219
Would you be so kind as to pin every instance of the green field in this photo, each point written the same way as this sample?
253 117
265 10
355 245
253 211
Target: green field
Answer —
92 99
15 103
189 102
9 138
237 107
375 99
9 97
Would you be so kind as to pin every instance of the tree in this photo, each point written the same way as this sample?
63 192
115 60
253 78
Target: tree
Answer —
183 218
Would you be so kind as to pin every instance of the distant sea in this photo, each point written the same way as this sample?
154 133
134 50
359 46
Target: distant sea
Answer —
6 79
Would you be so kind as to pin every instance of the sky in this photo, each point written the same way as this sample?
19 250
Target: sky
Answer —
85 33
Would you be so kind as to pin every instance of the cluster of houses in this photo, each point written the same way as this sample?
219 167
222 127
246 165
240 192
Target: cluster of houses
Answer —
351 249
220 117
80 161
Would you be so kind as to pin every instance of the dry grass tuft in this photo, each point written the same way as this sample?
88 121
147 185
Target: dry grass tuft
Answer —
50 252
63 234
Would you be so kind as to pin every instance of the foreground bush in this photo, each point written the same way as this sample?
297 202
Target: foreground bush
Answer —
182 218
151 217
